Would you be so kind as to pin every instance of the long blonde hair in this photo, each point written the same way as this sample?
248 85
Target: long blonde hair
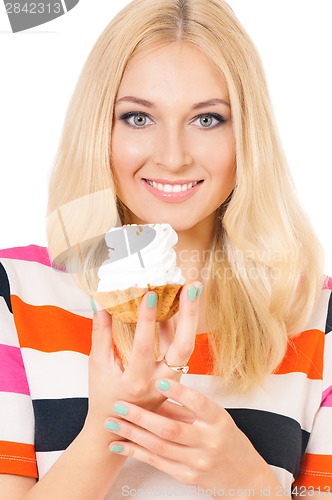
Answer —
265 271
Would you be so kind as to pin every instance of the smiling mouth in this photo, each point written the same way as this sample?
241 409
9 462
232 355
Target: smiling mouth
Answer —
172 188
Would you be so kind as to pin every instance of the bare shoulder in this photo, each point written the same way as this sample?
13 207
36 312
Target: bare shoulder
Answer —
14 487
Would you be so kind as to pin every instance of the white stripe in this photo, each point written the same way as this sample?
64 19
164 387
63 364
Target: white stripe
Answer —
292 395
145 481
318 318
54 375
140 480
327 377
8 335
320 441
285 479
138 476
45 460
41 285
16 418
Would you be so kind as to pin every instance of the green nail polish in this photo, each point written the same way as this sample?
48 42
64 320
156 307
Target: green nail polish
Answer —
164 385
93 305
120 409
112 426
152 300
192 293
116 448
199 291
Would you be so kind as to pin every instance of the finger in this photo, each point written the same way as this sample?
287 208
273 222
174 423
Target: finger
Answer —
101 334
171 430
205 410
148 440
183 344
166 335
176 412
174 468
144 340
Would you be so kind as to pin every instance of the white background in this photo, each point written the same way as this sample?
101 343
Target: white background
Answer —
39 69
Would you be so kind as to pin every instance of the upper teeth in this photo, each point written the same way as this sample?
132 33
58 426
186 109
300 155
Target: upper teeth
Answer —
167 188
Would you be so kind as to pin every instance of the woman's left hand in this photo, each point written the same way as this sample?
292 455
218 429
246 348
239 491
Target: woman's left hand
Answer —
197 443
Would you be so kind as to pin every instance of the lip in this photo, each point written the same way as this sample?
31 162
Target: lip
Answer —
172 197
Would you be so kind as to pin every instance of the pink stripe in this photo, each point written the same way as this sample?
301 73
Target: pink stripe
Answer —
12 376
328 283
32 253
327 397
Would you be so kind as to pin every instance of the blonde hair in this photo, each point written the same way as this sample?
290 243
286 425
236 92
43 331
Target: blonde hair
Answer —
265 270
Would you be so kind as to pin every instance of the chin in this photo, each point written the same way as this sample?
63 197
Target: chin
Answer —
180 227
178 224
179 220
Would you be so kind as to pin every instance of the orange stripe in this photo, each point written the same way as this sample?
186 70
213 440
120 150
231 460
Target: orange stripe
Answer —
315 471
55 329
304 354
201 360
50 328
18 458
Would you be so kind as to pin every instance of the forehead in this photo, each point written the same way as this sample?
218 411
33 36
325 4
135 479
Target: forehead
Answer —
175 69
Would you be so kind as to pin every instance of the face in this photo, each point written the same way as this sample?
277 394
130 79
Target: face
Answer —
173 148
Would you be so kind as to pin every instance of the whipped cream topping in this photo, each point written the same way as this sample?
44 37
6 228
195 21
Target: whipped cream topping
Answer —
139 256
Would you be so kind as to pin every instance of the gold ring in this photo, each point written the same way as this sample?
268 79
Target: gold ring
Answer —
178 369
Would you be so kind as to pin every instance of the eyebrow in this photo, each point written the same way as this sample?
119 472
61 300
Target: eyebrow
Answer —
211 102
148 104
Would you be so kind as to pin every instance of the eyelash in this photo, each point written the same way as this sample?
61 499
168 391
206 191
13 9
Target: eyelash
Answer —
126 117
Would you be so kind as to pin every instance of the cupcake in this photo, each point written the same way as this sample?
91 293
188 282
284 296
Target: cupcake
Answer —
141 259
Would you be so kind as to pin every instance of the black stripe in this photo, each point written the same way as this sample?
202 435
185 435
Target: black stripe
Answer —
58 422
278 439
5 287
328 326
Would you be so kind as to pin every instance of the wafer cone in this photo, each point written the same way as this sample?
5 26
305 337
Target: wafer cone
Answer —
124 304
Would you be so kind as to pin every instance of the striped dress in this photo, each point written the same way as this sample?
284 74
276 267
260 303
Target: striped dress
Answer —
45 339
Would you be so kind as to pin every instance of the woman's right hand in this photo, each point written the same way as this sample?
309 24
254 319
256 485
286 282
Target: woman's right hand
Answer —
110 381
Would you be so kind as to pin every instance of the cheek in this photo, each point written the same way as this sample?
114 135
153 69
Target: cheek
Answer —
126 161
217 152
127 155
221 163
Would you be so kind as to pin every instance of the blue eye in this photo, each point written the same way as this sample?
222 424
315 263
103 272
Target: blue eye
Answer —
136 119
210 120
206 121
139 120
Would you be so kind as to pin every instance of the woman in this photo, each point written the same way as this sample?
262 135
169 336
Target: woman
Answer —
172 95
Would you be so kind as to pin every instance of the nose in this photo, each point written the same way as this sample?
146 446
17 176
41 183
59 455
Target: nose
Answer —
172 150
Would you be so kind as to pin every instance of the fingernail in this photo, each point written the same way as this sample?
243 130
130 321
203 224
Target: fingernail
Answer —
116 448
192 293
93 305
199 291
112 426
152 299
120 409
164 385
